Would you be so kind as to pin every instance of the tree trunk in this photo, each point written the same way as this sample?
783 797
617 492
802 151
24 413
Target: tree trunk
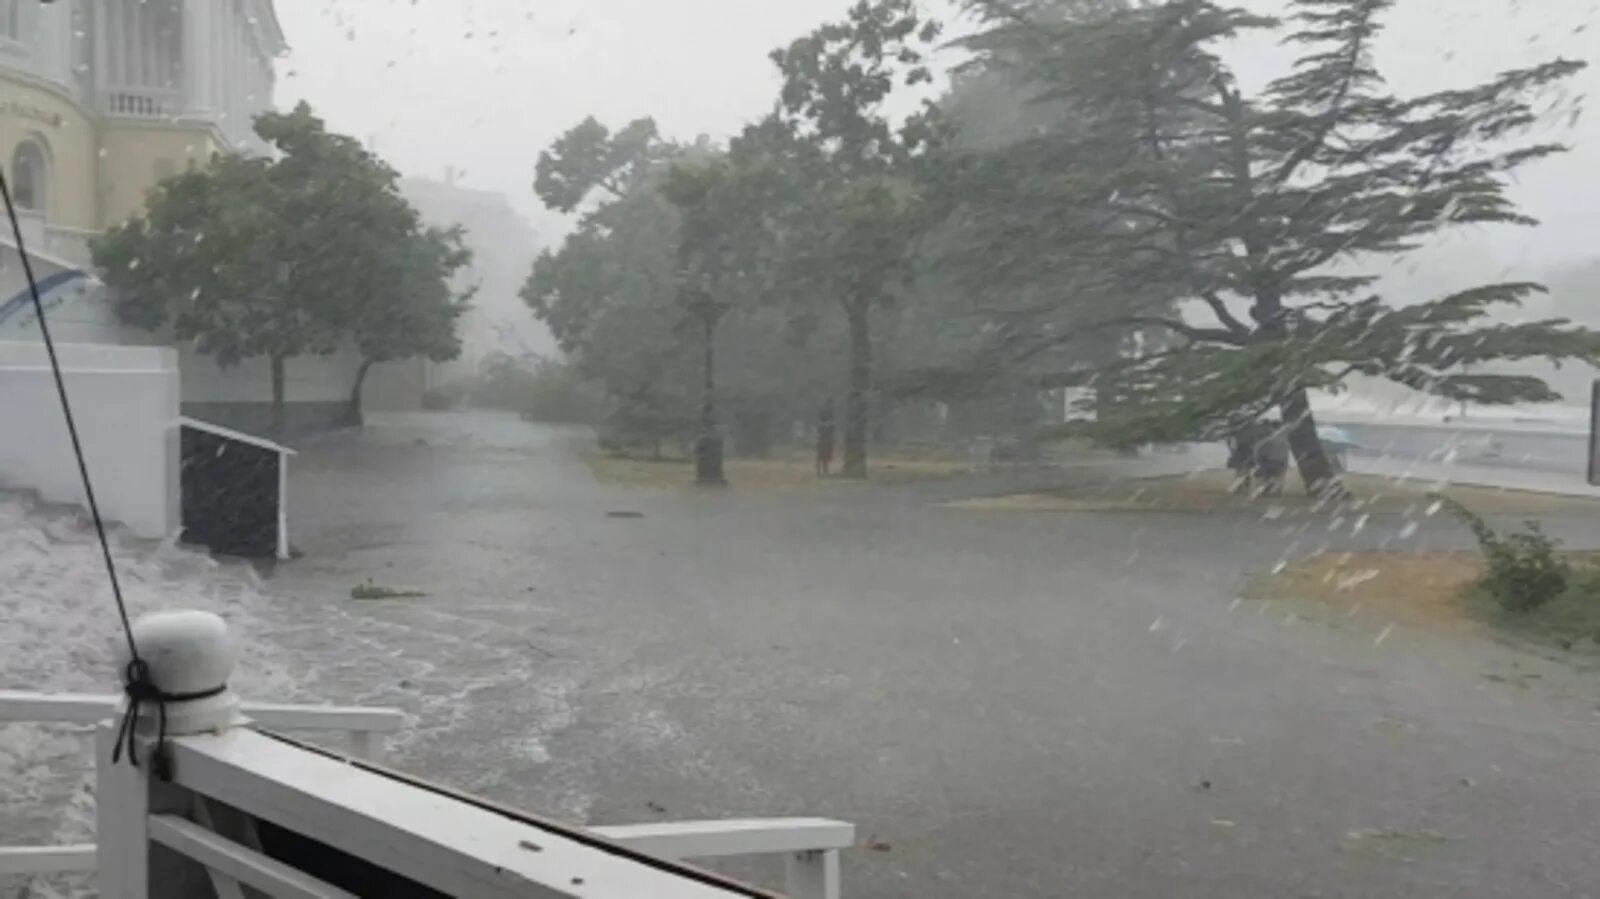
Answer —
708 448
277 395
353 416
1316 469
855 403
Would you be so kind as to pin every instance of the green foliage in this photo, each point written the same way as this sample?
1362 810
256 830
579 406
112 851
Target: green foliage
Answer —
370 591
1228 244
1522 571
539 389
850 230
609 295
289 256
589 156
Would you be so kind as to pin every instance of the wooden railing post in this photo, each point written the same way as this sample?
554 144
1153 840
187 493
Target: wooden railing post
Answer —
122 820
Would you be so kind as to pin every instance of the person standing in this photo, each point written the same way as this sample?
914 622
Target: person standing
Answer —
825 438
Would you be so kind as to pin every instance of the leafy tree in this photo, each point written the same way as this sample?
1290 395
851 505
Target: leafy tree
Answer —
287 256
590 157
849 236
726 246
417 313
1269 213
609 293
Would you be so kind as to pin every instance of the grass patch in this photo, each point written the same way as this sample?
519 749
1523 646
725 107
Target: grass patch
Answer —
1439 590
1212 491
782 471
372 591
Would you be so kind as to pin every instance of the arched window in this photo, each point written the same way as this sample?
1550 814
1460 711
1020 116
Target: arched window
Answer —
30 176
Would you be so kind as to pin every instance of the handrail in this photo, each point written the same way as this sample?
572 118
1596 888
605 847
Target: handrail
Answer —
21 706
809 846
362 725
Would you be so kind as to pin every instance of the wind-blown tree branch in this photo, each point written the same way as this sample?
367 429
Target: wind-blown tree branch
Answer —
588 157
850 235
1271 212
283 257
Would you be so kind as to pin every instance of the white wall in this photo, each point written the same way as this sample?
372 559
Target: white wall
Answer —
125 402
307 379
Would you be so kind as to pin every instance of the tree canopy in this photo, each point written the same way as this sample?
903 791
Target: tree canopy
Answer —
289 256
1096 201
1171 191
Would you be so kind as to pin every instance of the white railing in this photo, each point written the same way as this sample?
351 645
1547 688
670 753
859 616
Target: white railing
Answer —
381 824
809 846
327 799
142 102
69 244
361 725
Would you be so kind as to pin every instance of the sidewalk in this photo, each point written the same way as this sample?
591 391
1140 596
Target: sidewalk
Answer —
1503 476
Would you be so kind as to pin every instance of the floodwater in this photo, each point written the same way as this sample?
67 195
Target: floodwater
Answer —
1006 705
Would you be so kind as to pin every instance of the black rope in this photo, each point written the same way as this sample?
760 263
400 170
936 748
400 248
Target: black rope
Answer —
141 690
138 685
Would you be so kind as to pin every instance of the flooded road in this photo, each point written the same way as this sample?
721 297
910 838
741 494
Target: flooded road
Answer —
1060 705
1005 704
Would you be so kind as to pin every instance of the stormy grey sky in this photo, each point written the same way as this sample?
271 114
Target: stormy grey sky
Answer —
483 85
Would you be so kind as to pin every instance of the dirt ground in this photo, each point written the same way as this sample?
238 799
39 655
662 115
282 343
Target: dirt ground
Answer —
1437 590
791 470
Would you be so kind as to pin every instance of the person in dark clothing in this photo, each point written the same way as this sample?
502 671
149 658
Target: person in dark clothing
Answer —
1258 454
825 439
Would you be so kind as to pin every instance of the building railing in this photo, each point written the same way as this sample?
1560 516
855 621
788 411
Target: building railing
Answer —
225 782
69 244
362 727
142 102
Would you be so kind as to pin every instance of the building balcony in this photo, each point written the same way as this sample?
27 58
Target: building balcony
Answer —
141 102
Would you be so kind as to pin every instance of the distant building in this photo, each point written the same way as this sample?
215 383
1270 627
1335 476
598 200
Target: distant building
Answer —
503 248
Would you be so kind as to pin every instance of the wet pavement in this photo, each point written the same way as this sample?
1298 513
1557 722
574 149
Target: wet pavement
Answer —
1005 704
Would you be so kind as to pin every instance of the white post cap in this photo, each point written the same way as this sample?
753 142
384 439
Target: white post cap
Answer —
187 652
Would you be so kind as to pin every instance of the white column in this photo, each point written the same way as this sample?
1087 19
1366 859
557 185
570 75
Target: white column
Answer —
239 83
216 81
113 44
195 70
101 74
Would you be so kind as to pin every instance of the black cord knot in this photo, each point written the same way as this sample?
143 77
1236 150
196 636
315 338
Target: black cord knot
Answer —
141 690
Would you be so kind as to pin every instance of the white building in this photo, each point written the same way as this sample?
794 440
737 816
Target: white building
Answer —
100 99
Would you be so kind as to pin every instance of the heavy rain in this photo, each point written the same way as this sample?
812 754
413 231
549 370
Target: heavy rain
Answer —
1125 448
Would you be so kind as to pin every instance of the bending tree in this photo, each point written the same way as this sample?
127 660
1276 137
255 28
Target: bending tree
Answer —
850 236
1175 197
609 293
